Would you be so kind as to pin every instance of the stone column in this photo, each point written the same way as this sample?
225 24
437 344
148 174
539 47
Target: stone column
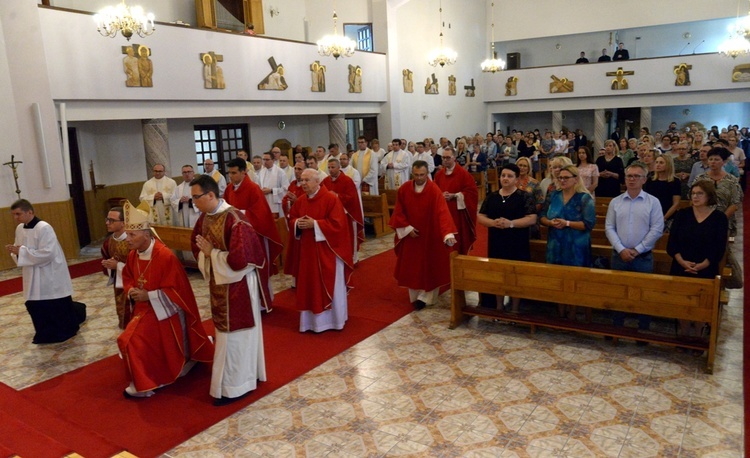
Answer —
337 131
156 144
600 130
646 118
557 121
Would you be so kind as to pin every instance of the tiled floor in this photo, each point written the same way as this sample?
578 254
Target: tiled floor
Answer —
419 389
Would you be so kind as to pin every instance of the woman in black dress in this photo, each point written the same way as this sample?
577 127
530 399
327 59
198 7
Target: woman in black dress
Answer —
611 171
698 240
508 213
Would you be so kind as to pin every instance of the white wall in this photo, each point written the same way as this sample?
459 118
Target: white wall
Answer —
164 11
319 16
467 114
545 18
642 42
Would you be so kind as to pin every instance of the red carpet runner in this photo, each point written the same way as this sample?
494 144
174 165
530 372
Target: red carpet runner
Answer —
91 397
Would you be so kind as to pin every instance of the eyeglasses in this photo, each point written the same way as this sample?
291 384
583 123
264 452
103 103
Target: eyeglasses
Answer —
633 177
562 178
198 196
698 194
110 220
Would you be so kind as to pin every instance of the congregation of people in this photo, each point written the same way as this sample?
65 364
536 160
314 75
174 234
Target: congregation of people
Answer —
547 186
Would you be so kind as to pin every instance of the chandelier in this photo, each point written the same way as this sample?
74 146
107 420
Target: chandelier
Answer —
738 43
441 56
493 64
336 45
127 20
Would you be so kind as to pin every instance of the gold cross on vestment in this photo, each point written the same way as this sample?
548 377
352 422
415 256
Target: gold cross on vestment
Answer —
141 281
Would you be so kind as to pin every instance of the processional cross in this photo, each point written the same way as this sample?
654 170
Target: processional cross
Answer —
13 164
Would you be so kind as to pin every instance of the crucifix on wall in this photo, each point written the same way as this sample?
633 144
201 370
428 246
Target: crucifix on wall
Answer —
620 82
213 75
275 80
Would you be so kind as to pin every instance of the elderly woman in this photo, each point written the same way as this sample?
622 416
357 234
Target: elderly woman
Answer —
570 214
588 171
697 241
477 160
728 191
664 186
611 171
508 213
550 182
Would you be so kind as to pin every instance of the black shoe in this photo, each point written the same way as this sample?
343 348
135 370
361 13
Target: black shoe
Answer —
223 401
419 305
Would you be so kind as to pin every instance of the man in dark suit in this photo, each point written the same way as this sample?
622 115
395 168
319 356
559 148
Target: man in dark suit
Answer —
580 139
621 53
604 57
582 59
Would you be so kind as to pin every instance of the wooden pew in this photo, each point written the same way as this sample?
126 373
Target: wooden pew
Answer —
176 238
492 179
481 184
392 196
653 294
283 228
376 209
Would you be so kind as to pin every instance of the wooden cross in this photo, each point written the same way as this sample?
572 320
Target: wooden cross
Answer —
470 89
620 82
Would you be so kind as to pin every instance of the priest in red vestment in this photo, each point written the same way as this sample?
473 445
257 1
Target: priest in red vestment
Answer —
165 337
292 250
229 254
460 192
243 194
324 267
344 187
425 233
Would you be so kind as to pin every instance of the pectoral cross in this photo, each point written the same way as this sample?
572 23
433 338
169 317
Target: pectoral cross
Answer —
13 164
141 282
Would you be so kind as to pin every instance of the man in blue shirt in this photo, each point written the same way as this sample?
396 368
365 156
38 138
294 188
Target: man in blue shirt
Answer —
633 226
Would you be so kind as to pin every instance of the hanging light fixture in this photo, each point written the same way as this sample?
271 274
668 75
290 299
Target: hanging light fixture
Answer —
738 43
336 45
127 20
493 64
441 56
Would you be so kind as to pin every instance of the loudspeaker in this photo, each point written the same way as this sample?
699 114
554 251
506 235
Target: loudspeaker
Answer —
513 60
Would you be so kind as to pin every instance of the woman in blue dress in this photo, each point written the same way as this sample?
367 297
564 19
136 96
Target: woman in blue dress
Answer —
570 214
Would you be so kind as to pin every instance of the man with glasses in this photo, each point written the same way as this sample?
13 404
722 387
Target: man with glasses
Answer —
182 202
114 254
208 169
157 192
634 224
366 162
230 254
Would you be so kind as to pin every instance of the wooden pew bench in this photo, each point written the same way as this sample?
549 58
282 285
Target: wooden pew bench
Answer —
375 210
392 196
652 294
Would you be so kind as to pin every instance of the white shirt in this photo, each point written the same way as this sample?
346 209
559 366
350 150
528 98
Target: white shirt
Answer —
187 217
275 179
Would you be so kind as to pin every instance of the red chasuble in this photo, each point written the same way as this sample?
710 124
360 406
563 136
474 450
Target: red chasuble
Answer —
316 266
153 350
422 262
346 190
466 220
250 198
292 249
230 231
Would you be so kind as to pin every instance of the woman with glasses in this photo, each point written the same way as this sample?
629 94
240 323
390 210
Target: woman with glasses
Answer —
570 214
697 242
611 171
